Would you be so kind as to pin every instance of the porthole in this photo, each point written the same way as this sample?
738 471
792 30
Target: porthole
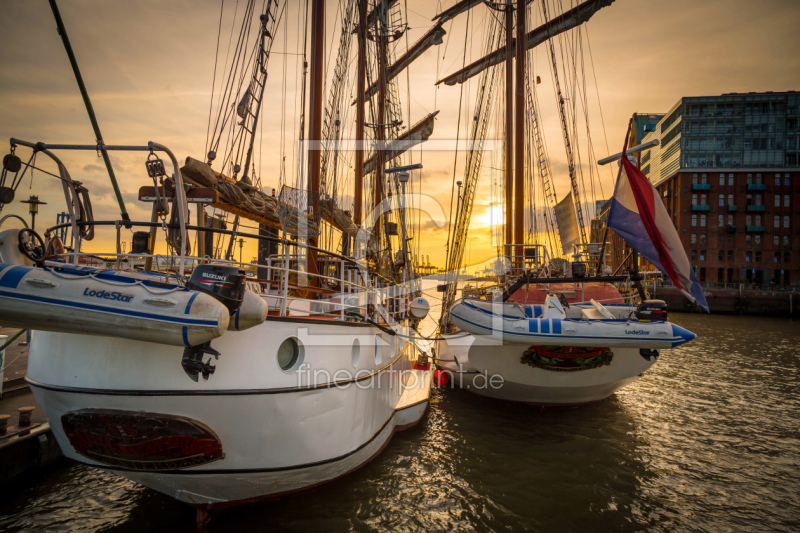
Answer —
290 354
379 343
355 353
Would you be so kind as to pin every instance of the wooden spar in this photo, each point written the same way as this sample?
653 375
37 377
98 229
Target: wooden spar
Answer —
508 144
380 133
566 21
519 134
457 9
434 36
315 131
415 135
362 81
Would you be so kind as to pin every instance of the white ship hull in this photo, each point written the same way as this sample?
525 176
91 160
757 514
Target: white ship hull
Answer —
491 369
259 432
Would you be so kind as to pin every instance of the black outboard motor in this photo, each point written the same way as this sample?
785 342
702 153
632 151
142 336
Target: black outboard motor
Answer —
225 283
650 310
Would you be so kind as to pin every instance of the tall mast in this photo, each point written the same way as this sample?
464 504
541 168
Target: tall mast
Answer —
508 141
519 133
362 83
315 130
380 133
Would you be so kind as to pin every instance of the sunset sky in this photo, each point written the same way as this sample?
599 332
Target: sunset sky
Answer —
148 67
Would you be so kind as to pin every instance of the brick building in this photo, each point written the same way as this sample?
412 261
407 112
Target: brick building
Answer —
728 171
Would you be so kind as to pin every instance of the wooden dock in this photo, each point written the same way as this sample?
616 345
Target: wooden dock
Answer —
27 446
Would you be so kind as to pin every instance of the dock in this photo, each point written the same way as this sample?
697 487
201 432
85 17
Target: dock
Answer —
28 442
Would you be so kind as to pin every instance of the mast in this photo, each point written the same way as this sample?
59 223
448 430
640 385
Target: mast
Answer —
315 123
508 142
519 133
380 132
362 82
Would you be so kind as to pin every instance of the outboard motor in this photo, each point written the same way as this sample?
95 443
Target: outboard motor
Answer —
223 282
650 310
226 284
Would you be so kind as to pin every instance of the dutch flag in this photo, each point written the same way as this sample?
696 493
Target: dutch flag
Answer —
639 216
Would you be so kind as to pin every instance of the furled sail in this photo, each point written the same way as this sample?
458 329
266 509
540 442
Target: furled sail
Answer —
415 135
241 198
566 21
567 223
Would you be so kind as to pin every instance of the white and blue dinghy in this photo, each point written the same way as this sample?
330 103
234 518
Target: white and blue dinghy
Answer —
548 325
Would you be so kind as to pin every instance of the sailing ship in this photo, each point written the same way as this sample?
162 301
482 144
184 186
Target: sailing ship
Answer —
553 331
191 377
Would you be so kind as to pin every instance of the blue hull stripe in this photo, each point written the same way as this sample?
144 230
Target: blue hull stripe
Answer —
111 310
13 275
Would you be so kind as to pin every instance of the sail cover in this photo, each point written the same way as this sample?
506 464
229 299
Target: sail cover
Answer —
638 215
567 224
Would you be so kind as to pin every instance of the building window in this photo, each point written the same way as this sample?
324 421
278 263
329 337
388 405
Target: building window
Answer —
777 200
721 255
776 221
702 255
758 220
720 239
721 200
730 179
786 257
693 239
758 178
786 200
759 199
722 180
776 240
777 180
730 238
730 256
758 256
694 255
730 199
748 257
703 221
786 240
721 221
694 199
704 199
786 221
694 179
749 179
786 180
757 240
730 220
749 220
694 220
748 239
777 258
702 238
749 200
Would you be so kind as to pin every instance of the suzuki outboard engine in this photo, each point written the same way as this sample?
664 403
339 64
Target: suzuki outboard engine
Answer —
650 310
223 282
226 284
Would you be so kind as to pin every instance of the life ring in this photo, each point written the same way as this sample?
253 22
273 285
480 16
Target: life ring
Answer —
55 246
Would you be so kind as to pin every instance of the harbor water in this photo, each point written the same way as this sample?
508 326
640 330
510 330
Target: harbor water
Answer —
707 440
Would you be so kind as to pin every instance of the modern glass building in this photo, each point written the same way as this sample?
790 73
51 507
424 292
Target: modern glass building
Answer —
731 131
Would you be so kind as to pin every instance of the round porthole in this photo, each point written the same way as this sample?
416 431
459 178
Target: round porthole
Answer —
290 354
379 343
355 353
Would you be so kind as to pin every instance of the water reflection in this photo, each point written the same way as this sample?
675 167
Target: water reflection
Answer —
707 440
